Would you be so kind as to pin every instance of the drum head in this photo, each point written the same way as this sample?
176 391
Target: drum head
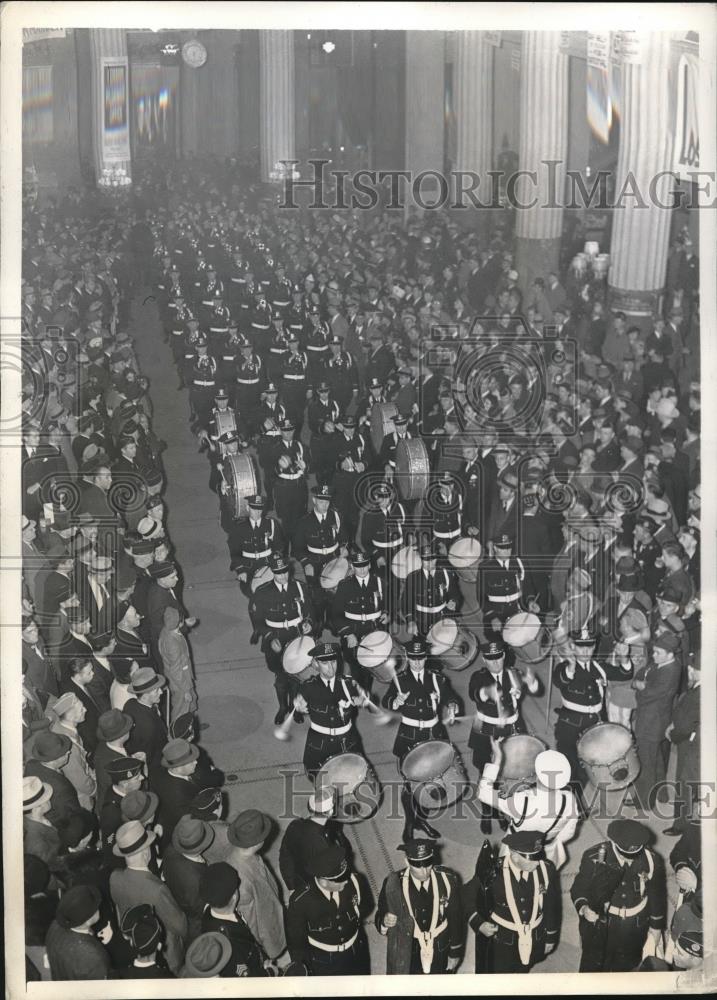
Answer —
297 655
427 761
357 789
519 753
442 635
374 649
604 743
334 572
240 473
463 652
521 629
412 468
381 417
405 562
464 552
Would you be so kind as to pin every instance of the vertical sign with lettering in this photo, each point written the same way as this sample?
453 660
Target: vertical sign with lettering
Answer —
687 133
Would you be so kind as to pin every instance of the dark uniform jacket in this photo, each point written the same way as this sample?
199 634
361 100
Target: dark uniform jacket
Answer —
382 533
311 915
252 542
245 949
317 541
358 605
426 699
303 840
425 598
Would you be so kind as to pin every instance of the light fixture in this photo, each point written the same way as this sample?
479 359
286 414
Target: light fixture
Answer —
328 47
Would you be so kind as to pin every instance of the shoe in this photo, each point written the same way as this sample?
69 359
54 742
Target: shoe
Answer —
672 831
428 829
280 716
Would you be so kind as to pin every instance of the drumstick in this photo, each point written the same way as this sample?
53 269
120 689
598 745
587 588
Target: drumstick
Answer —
550 691
282 732
381 717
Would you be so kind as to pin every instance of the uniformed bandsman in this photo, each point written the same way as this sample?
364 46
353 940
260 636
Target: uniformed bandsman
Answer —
324 921
387 458
289 478
382 528
352 456
316 342
500 584
582 683
248 380
295 381
277 350
252 540
341 374
358 607
308 836
319 538
331 701
375 394
271 415
281 611
201 376
420 913
444 508
620 896
427 704
548 807
514 904
429 593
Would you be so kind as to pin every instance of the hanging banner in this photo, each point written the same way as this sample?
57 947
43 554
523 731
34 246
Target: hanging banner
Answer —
40 34
599 105
687 129
115 110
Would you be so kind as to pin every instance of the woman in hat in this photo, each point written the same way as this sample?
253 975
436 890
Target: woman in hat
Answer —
65 715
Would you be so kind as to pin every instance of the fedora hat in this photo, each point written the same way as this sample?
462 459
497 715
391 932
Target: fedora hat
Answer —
34 792
192 835
144 680
207 955
113 725
139 805
50 746
178 752
250 827
131 838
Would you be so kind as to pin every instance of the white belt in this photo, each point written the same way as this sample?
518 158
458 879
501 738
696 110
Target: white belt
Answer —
447 534
218 329
200 382
285 624
238 281
628 911
290 475
505 600
369 617
248 381
494 720
296 378
387 545
207 302
278 350
515 927
586 709
430 611
323 552
332 947
331 732
261 326
177 333
420 723
310 348
257 555
229 357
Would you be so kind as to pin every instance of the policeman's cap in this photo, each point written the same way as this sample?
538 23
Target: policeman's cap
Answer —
529 843
325 651
628 835
418 852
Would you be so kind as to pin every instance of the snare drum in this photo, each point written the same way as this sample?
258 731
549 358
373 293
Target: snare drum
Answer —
382 655
333 573
435 773
530 641
609 756
297 660
455 646
226 423
357 789
241 477
412 468
464 556
591 248
405 562
262 576
518 767
382 415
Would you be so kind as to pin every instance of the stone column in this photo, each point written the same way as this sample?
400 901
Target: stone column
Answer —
543 137
276 127
474 112
641 228
110 104
425 121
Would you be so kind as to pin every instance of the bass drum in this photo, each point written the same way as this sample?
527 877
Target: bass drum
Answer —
436 774
464 556
382 655
357 789
333 573
518 767
455 646
297 660
530 641
241 476
412 468
382 415
226 423
608 754
405 562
